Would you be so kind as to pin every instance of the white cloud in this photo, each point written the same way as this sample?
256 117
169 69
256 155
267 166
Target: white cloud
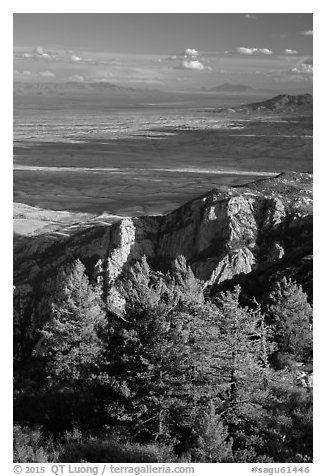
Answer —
288 51
189 59
190 52
22 73
307 33
38 51
39 54
246 51
75 58
303 68
249 16
187 63
265 51
253 51
47 74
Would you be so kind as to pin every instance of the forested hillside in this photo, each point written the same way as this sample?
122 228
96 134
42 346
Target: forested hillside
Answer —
159 371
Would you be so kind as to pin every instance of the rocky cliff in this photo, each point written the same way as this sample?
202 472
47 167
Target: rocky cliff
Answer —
225 233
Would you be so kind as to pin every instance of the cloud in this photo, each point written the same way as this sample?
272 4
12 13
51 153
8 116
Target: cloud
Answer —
39 54
265 51
22 73
75 58
303 67
47 74
189 59
288 51
38 51
100 80
190 52
188 63
250 16
34 75
253 51
307 33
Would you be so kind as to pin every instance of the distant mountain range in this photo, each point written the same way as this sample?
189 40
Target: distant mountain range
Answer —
239 88
280 104
51 88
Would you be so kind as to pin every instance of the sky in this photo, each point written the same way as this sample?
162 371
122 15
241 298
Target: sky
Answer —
165 50
163 33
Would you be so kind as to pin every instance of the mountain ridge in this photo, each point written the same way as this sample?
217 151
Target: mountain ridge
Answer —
224 233
279 104
230 87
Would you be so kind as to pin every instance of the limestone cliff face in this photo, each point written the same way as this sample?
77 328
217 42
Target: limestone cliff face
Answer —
131 239
222 234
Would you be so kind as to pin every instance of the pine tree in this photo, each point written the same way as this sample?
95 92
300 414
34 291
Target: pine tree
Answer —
72 339
155 347
213 444
290 317
241 369
287 427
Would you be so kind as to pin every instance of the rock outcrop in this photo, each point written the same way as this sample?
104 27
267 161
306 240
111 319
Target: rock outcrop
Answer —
224 233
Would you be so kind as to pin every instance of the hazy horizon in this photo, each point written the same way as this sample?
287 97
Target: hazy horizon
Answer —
166 51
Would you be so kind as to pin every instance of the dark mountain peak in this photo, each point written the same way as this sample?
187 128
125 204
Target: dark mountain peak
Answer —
280 104
283 100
